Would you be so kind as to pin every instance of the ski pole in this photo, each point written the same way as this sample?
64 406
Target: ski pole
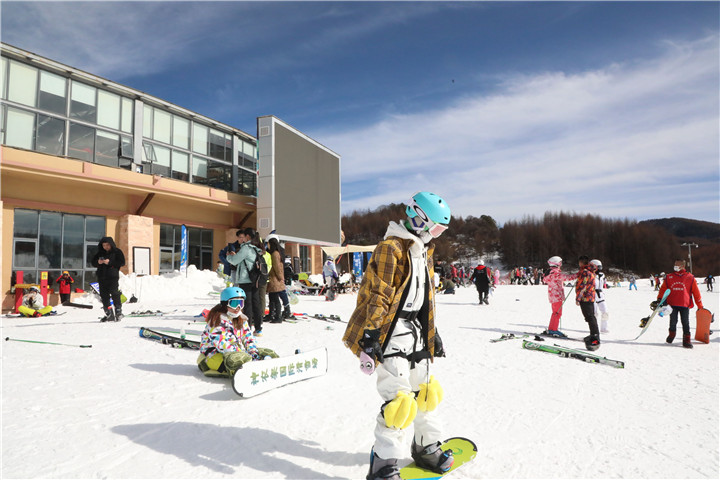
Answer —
7 339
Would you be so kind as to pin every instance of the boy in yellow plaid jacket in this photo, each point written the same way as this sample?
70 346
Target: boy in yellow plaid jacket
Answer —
392 331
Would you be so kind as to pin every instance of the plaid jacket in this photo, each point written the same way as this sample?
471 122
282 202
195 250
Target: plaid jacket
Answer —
381 291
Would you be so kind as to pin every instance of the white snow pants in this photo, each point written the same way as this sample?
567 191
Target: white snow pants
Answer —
394 375
601 308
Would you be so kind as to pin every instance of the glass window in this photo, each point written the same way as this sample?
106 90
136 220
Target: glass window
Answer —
162 125
52 96
126 152
147 121
219 175
49 246
94 228
83 102
26 223
180 165
50 135
73 227
22 87
108 111
219 144
107 147
148 157
247 182
81 142
20 129
127 115
200 139
199 166
166 235
3 77
162 161
207 238
24 256
181 132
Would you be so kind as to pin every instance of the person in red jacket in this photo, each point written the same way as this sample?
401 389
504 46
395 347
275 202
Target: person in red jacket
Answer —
64 281
683 288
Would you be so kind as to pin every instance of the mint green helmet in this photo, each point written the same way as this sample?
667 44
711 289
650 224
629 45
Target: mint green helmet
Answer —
428 212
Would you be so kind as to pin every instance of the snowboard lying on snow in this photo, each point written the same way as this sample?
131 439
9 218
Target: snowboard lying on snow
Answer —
255 378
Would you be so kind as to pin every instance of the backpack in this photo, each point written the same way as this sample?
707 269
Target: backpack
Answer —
258 271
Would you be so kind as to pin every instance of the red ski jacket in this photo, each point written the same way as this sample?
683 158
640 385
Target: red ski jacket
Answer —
683 288
64 284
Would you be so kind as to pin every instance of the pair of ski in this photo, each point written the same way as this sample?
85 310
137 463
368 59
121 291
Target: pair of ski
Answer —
53 313
320 316
572 353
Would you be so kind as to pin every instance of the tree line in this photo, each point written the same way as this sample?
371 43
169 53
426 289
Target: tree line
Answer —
621 244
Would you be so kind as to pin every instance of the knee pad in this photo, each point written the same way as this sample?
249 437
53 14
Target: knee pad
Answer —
401 411
430 395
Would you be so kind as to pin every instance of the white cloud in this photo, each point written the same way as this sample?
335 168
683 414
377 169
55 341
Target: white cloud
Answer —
615 141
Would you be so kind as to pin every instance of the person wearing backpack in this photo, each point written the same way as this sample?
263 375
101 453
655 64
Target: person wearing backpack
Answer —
247 259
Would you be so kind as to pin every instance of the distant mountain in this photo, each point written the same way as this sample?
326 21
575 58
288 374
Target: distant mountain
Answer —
688 229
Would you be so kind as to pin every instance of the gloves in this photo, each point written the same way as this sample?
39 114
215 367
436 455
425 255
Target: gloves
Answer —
654 304
401 411
430 395
439 350
370 344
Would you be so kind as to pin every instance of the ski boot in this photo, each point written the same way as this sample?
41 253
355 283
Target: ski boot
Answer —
109 315
382 469
118 314
432 457
670 337
592 342
554 333
287 313
686 341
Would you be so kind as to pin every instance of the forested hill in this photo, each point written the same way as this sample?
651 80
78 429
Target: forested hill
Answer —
643 247
687 229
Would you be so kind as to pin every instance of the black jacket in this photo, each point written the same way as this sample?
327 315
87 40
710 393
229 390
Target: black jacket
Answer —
116 257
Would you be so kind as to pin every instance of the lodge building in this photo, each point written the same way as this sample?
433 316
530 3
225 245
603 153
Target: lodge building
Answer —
83 157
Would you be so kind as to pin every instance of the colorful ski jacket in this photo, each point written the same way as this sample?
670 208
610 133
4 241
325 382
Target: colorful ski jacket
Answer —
555 280
683 287
225 339
383 289
585 286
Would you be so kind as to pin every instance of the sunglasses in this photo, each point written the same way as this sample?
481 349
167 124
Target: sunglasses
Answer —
236 302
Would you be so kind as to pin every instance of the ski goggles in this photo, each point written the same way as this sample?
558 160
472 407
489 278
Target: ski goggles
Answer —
236 302
422 220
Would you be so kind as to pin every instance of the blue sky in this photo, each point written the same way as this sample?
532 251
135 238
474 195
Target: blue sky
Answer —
505 109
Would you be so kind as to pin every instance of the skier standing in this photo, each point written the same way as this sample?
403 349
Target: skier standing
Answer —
556 294
585 298
392 330
108 259
64 281
481 279
683 288
330 276
600 305
709 282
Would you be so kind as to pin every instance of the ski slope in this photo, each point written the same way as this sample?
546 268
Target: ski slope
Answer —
132 408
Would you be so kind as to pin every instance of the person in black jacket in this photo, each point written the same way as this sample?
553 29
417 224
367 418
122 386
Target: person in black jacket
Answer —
108 260
481 279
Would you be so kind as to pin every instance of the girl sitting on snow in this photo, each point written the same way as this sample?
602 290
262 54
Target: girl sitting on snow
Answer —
227 342
32 304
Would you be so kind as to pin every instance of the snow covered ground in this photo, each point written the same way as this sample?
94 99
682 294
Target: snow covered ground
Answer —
133 408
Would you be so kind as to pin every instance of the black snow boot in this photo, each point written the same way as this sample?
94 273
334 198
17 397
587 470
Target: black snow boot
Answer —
286 312
686 341
383 469
109 315
432 457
